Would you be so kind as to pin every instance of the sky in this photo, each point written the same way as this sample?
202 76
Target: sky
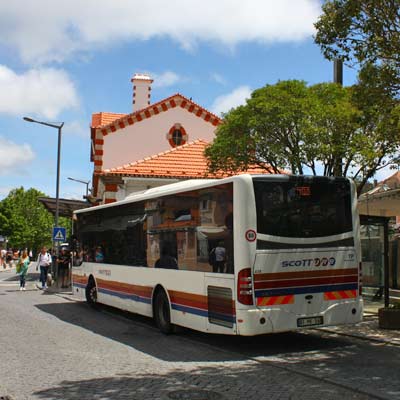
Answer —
64 61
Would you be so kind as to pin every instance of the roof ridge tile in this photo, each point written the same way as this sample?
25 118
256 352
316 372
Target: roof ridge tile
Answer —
150 106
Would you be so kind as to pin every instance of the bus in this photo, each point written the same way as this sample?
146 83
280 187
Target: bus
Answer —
245 255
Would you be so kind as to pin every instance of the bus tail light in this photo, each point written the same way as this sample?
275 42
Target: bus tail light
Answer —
360 279
245 287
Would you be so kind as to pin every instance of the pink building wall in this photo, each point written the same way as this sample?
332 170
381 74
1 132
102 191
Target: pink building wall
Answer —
149 136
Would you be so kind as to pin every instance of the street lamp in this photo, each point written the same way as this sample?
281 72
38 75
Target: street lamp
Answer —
58 167
84 182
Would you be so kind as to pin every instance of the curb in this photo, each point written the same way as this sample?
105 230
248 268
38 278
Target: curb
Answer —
366 331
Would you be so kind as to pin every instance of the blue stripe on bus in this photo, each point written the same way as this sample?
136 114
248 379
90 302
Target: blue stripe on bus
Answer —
203 313
79 285
305 289
191 310
121 295
222 317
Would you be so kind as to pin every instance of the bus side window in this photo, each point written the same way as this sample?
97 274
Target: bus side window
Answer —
77 253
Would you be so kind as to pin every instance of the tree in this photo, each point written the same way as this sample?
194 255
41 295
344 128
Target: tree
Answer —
322 129
267 131
24 220
364 32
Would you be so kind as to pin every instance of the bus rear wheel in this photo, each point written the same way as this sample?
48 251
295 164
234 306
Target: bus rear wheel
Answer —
91 293
162 314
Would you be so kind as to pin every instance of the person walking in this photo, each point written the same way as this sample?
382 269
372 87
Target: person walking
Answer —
44 262
3 254
63 267
22 269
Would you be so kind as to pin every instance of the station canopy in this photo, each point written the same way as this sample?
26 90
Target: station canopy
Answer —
384 202
66 207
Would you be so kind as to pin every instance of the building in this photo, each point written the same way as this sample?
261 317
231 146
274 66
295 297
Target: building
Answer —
179 163
155 144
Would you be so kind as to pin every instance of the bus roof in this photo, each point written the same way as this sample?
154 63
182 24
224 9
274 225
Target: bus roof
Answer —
184 186
190 184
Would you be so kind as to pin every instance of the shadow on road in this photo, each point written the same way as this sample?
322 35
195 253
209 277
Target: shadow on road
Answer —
235 382
140 333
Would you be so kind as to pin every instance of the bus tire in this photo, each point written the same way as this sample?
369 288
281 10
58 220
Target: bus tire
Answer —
162 313
91 293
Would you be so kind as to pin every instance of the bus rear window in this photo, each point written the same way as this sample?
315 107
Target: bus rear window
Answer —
301 207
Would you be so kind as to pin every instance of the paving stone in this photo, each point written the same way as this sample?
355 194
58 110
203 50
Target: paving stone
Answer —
53 348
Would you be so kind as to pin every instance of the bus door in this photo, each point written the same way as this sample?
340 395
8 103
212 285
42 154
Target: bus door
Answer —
219 289
305 281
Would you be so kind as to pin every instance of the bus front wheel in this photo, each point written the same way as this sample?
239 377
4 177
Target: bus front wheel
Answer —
162 315
91 293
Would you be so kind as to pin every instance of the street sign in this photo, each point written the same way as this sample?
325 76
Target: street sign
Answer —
59 234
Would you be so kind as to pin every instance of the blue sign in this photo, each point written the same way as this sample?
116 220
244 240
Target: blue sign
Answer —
59 234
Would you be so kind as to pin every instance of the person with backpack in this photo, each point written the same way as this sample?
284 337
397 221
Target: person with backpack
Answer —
44 261
22 269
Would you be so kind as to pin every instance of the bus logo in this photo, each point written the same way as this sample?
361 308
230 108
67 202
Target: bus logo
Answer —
310 262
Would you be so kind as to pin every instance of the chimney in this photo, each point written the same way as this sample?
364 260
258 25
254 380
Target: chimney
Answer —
141 91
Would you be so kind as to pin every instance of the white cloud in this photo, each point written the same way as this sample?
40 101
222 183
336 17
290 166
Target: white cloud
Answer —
43 92
77 128
46 30
218 78
233 99
14 157
4 191
165 79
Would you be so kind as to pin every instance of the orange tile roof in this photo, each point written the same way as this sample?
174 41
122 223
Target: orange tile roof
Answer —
104 118
392 181
183 162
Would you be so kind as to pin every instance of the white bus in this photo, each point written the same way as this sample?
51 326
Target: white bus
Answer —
246 255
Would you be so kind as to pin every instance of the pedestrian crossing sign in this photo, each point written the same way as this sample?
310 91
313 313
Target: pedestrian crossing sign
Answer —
59 234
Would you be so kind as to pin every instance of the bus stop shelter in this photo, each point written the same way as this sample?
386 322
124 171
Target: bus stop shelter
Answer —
376 207
66 207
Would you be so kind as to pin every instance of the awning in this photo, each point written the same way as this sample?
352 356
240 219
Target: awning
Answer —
212 232
381 204
65 206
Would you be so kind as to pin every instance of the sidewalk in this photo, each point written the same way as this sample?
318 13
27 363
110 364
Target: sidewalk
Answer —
32 281
368 329
7 267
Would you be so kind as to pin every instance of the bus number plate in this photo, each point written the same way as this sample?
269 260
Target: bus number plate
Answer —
301 322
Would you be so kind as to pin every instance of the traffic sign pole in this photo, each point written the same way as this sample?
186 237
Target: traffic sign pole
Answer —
59 235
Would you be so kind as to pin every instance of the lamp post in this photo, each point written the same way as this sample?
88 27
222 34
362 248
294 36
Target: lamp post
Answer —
84 182
58 169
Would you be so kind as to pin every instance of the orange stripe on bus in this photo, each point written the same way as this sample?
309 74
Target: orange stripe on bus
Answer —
275 300
341 294
305 274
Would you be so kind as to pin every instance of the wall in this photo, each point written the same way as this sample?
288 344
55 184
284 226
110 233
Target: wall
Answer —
149 137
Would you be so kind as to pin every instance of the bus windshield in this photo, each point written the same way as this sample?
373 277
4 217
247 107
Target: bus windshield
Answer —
303 207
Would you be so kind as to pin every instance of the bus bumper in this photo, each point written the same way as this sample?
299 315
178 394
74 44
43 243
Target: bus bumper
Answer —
259 321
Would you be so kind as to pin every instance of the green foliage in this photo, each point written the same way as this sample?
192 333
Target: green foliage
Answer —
366 32
25 221
292 126
266 132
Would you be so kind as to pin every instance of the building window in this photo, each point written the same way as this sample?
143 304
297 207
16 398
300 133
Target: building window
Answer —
177 136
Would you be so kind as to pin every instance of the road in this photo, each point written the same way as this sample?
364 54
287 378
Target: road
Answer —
55 348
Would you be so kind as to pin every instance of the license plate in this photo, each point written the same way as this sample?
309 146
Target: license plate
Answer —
301 322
